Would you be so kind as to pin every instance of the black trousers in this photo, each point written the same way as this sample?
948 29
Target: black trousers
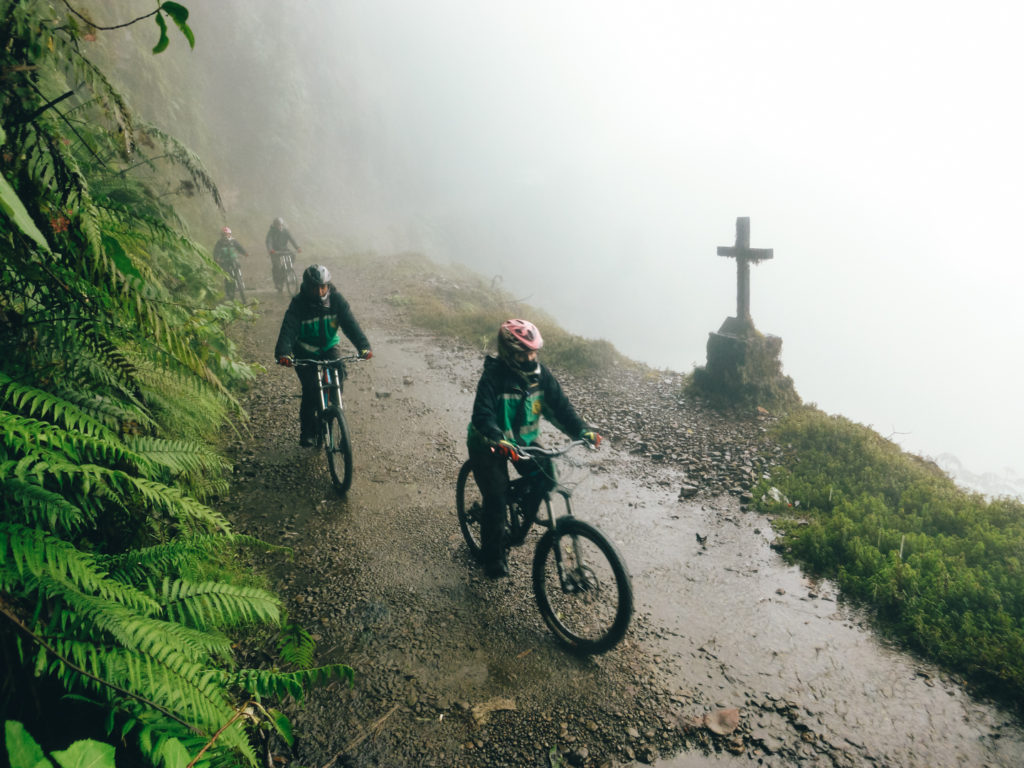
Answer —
277 270
311 389
490 471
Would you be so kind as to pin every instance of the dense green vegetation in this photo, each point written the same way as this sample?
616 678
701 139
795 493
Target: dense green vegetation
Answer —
943 568
121 592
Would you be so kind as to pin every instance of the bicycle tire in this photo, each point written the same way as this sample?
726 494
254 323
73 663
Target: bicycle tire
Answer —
291 282
240 286
469 503
338 449
590 610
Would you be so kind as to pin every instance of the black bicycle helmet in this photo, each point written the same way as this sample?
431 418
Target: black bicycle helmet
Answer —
316 276
313 279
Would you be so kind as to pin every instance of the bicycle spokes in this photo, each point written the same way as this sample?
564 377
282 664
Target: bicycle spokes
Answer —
579 578
582 587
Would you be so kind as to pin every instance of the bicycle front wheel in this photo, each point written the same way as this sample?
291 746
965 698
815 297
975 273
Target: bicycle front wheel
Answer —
469 503
240 286
291 282
582 587
338 448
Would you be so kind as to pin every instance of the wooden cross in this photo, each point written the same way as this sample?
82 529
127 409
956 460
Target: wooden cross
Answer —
743 254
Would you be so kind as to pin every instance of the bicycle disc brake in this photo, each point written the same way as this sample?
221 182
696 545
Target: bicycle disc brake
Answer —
579 579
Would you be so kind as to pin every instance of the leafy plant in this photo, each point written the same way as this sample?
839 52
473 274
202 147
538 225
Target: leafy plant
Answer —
24 752
941 567
175 11
119 587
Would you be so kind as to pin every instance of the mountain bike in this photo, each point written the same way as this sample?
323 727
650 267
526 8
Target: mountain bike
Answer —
284 272
332 429
235 274
582 587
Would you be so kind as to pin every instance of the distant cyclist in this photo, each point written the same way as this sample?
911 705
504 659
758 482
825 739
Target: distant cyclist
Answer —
225 253
310 330
514 391
278 239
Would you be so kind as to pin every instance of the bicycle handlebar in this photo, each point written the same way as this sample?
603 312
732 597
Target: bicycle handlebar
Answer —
336 363
530 451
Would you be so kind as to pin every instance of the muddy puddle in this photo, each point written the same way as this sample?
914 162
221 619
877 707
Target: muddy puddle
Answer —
738 627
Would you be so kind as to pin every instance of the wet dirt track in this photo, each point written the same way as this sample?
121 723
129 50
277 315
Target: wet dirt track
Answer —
457 670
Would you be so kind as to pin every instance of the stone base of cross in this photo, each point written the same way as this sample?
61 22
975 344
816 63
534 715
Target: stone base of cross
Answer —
738 328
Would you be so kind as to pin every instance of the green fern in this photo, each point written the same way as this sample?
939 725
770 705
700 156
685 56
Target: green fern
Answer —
264 683
206 605
117 581
295 645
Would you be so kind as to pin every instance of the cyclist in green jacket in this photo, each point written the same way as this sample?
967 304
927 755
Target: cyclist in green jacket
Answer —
310 330
514 391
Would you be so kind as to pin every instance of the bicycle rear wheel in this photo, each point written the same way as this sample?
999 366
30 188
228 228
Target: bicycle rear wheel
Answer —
469 503
338 448
582 587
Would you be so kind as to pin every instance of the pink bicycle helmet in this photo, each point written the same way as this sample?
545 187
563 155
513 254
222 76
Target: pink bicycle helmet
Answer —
520 336
226 231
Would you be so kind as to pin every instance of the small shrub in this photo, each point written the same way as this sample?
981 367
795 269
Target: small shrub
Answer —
940 566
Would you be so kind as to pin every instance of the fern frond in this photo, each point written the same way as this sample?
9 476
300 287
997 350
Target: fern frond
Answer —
184 554
113 414
172 683
295 645
179 457
260 682
30 553
116 485
34 505
32 401
216 604
25 436
184 157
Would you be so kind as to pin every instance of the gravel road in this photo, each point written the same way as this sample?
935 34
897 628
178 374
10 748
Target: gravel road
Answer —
453 669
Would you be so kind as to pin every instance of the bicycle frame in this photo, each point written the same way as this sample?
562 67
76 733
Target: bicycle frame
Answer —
329 381
332 430
286 260
568 580
549 520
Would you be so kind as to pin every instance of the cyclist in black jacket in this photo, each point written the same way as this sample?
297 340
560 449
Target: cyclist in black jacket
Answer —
310 330
514 391
278 239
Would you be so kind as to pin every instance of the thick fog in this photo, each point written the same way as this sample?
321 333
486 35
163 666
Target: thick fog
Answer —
594 154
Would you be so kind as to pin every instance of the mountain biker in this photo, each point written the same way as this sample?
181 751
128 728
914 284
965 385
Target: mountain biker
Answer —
277 240
310 330
514 391
225 253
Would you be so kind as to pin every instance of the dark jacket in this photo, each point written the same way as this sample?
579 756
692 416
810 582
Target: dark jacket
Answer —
508 406
224 251
309 328
278 239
